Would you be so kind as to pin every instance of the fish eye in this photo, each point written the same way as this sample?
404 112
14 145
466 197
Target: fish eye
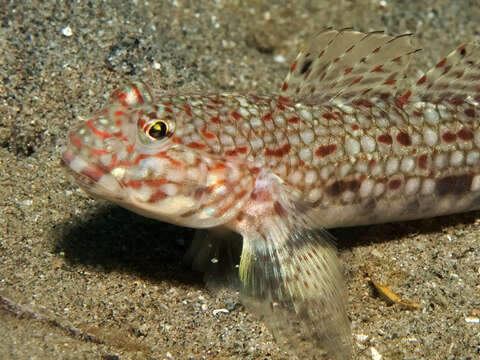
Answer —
157 130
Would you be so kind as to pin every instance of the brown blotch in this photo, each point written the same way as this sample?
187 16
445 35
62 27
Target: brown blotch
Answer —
454 185
442 63
215 119
422 80
394 184
355 127
422 161
328 116
325 150
363 102
470 112
284 150
337 188
465 134
279 209
449 137
404 139
236 115
293 120
385 139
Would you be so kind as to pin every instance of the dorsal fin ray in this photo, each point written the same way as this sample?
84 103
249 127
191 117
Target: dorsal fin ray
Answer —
346 65
454 80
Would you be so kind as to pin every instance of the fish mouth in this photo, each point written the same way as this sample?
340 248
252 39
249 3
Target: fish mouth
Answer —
93 178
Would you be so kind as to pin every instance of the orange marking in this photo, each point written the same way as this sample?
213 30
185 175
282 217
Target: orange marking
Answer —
441 63
187 109
377 68
196 145
101 134
98 152
76 141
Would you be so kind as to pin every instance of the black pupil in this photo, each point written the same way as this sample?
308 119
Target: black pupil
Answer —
158 130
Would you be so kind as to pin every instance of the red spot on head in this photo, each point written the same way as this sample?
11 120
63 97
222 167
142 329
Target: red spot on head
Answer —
385 139
231 152
176 140
94 172
119 113
215 119
76 141
404 139
98 152
284 86
196 145
294 120
325 150
355 127
281 151
377 68
465 134
422 161
156 196
422 80
348 71
294 65
470 112
394 184
449 137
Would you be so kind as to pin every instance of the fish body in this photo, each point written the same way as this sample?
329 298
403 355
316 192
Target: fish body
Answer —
345 142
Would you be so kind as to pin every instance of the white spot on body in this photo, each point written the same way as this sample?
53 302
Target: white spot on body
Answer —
392 166
473 157
428 186
412 185
407 165
430 137
307 136
352 146
440 160
456 158
366 187
305 154
368 143
314 195
431 115
475 183
311 177
305 114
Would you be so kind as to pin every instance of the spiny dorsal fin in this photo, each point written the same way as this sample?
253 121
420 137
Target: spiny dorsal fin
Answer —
347 65
453 80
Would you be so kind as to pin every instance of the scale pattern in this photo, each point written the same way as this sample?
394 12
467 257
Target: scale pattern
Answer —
345 142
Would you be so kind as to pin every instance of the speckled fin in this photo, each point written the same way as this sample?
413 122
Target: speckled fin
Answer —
347 65
292 278
455 79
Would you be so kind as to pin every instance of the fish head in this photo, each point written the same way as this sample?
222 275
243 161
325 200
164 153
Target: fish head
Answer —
133 153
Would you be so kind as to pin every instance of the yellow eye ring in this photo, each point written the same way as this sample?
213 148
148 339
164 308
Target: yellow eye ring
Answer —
157 130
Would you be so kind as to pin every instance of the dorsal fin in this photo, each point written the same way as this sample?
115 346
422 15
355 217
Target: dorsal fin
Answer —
453 80
346 65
